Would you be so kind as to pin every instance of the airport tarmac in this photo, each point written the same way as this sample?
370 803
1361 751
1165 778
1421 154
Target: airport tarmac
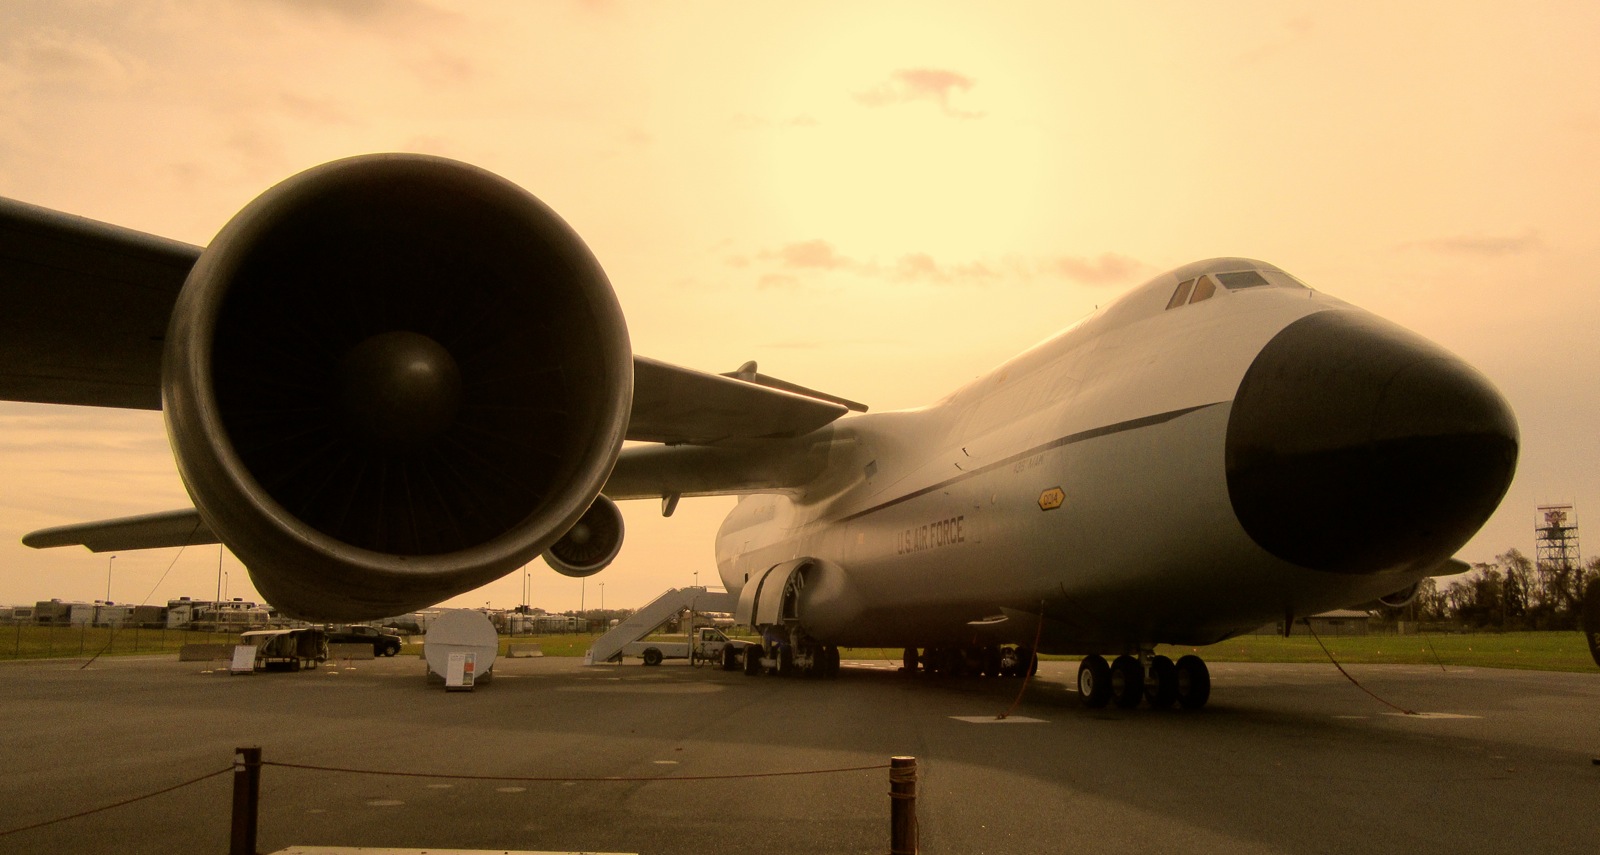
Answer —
1287 758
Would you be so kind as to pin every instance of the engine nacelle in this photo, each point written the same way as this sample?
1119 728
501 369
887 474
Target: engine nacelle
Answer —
391 379
1401 597
591 544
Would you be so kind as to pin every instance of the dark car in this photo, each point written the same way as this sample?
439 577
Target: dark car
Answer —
383 643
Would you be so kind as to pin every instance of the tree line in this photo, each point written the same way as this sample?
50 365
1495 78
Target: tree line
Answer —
1512 592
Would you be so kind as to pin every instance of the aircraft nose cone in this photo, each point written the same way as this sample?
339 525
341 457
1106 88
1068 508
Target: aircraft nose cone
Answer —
1355 446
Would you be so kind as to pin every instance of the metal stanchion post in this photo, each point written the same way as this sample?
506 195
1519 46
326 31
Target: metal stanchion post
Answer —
246 798
902 806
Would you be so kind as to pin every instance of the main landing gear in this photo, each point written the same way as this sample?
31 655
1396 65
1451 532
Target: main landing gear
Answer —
1157 680
991 661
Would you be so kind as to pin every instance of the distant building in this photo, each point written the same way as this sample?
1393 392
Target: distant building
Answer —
63 613
1336 622
12 615
112 614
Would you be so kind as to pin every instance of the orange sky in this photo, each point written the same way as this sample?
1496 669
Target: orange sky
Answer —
879 200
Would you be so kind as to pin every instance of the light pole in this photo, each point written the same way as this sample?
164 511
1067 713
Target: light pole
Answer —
108 578
224 585
602 596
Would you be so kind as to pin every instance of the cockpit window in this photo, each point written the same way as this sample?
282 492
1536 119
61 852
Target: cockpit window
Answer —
1181 296
1204 287
1243 279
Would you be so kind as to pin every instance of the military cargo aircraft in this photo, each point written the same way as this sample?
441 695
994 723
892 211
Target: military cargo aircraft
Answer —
393 378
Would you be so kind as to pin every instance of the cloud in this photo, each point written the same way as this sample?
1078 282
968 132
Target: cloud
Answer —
1108 268
59 60
811 254
794 260
392 15
1478 245
919 266
909 85
820 256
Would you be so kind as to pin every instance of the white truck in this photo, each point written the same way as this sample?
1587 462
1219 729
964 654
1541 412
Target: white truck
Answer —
710 645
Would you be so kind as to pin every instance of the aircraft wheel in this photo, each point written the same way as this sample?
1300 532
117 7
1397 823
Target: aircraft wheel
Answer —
909 660
1161 690
652 657
831 655
1027 662
1194 682
1094 681
730 658
752 661
1127 682
785 661
991 662
1008 662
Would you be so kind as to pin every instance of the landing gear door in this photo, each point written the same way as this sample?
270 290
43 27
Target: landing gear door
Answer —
761 599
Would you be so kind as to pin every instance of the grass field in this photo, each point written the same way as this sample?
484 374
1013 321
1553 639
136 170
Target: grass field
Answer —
1537 651
1533 651
49 642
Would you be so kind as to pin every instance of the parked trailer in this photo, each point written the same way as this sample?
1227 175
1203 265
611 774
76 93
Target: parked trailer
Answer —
287 649
710 645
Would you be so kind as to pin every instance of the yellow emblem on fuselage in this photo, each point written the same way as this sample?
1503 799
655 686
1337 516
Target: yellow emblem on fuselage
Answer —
1052 498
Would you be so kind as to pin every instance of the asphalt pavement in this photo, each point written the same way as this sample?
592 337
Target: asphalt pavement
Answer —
1287 758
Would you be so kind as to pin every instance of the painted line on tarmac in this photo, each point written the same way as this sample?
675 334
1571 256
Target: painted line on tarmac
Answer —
989 719
1432 715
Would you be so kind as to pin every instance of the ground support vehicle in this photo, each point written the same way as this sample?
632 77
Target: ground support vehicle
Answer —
287 649
383 643
710 645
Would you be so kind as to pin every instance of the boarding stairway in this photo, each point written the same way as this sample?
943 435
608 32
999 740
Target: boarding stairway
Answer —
641 623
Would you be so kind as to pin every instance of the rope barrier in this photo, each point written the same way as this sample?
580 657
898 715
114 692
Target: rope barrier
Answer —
1028 667
566 779
1435 652
1352 679
91 811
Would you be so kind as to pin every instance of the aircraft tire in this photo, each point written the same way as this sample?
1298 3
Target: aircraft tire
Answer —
730 658
1008 662
1127 682
909 660
752 661
1027 662
1161 690
1094 681
831 659
1193 683
785 662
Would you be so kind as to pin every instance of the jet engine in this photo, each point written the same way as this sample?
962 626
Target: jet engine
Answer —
391 379
591 544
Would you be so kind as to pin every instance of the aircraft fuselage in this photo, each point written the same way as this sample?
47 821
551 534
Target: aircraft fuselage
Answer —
1088 481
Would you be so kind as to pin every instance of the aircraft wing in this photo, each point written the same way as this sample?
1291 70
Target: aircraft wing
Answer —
86 311
146 531
86 308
